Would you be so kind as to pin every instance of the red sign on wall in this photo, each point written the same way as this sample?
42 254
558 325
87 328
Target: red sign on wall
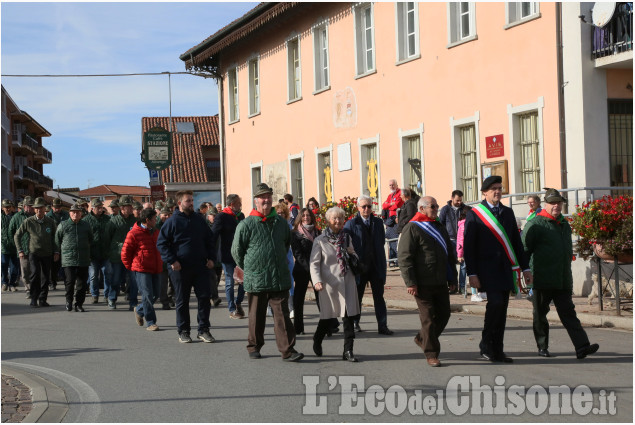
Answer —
157 193
494 146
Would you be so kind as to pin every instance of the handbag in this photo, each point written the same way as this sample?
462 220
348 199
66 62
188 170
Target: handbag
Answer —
356 265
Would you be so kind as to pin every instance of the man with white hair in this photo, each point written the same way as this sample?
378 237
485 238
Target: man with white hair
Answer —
367 232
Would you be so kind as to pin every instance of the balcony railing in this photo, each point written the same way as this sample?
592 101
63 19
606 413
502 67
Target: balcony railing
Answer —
617 35
29 173
44 181
30 143
44 155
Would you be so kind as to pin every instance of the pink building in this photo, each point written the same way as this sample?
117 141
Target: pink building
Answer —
335 99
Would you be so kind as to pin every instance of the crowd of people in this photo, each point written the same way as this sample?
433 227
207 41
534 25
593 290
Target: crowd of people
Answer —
269 258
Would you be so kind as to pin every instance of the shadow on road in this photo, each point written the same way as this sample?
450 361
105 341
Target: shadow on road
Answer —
52 353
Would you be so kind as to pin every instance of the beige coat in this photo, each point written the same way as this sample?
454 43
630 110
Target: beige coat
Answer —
339 294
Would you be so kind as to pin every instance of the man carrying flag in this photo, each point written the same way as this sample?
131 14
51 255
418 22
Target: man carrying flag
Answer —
494 257
427 260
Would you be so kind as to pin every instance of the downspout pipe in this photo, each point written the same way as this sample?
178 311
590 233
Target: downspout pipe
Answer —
221 135
561 108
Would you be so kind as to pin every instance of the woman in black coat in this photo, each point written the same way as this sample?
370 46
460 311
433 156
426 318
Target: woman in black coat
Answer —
302 236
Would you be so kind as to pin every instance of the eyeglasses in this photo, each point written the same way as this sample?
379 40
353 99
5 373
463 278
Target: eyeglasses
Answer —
434 207
496 188
365 206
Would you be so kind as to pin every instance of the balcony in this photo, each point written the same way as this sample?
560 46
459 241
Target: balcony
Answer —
612 45
22 142
43 155
29 174
44 182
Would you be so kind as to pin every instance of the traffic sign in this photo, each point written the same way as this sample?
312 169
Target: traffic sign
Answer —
157 148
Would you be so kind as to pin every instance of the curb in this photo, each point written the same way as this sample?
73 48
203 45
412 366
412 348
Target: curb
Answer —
49 400
586 319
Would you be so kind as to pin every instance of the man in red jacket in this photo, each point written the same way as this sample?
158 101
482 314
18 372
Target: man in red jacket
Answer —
141 256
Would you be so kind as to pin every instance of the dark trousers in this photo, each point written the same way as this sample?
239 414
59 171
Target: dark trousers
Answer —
75 283
167 289
433 303
566 311
377 287
40 268
494 325
324 325
183 281
282 326
55 269
10 269
214 278
301 285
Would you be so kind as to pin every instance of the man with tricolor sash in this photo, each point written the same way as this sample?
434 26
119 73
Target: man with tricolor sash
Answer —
495 259
427 260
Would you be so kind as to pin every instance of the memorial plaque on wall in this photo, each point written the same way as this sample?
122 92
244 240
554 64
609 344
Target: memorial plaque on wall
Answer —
494 146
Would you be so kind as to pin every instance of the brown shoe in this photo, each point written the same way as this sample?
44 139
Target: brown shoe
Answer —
235 315
152 328
434 362
138 317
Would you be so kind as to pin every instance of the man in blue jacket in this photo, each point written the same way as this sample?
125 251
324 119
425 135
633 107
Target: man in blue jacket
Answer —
185 244
368 235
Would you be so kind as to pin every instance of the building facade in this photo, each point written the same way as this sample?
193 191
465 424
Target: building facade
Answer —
109 192
23 154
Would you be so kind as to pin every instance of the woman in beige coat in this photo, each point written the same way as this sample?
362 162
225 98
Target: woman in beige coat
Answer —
334 281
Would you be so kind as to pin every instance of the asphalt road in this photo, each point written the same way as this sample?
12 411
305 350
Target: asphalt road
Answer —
115 371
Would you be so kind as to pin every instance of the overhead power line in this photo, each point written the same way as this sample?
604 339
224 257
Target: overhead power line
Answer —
103 75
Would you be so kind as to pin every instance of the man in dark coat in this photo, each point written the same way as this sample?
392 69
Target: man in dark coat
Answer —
547 240
488 263
10 261
449 216
409 208
368 235
58 215
223 230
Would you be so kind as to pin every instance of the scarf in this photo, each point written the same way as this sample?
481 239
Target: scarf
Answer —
339 241
545 214
422 217
228 210
272 214
307 231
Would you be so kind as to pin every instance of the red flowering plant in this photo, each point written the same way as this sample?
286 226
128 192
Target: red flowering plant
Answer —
348 204
607 222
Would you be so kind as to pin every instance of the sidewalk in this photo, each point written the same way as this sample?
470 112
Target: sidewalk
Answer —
590 315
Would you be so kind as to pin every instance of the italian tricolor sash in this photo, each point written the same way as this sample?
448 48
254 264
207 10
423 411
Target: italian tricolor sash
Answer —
492 223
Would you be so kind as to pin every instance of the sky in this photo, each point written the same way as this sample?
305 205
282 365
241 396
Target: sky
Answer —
96 122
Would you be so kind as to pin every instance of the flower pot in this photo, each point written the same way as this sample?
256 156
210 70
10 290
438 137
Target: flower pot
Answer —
625 257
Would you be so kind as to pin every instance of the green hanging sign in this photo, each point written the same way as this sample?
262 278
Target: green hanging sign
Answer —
157 148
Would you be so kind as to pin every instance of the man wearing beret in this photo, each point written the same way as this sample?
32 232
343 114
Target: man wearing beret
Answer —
547 240
15 223
41 231
97 219
10 263
494 258
58 215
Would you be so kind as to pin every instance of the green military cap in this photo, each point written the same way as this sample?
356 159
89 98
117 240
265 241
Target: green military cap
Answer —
96 203
114 203
57 202
158 205
39 202
28 201
125 200
212 210
6 203
552 196
166 210
20 204
137 205
170 202
76 207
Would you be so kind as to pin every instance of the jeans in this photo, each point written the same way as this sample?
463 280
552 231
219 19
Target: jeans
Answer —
149 286
10 269
115 274
183 281
229 288
75 284
96 276
462 277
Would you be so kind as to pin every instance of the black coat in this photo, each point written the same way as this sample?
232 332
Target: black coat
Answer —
406 212
484 255
369 244
301 249
450 218
224 228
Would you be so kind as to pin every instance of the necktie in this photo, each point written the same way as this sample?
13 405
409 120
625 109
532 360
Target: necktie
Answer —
496 211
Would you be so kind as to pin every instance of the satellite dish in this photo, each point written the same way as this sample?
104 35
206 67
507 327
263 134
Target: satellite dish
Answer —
602 13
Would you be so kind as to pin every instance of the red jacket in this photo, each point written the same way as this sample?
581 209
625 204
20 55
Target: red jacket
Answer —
140 253
393 202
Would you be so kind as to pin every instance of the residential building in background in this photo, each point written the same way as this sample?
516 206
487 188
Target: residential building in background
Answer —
196 162
108 192
23 153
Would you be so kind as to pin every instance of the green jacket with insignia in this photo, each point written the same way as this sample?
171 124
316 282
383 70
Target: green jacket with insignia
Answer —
116 231
72 242
41 236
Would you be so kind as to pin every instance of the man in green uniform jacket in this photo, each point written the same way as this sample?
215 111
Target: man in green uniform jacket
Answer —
15 223
10 263
97 219
58 215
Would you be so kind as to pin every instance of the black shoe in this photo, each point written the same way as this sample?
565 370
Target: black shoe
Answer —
254 355
205 336
317 348
543 352
502 358
294 357
34 304
385 331
335 330
216 301
95 300
79 308
166 306
356 328
585 351
172 304
44 304
69 306
349 356
184 337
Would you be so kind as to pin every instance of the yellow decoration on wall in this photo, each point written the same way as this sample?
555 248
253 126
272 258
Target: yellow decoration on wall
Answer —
327 184
371 180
